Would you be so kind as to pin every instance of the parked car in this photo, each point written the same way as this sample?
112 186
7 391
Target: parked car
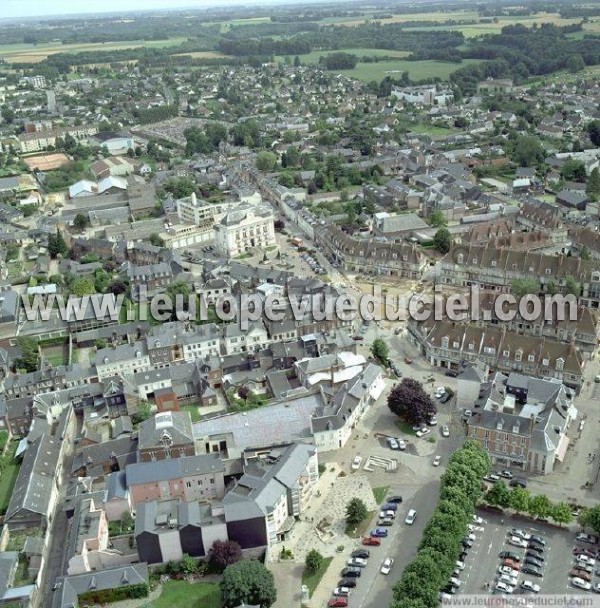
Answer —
511 563
460 565
386 521
337 602
379 532
423 432
531 561
509 555
465 542
356 463
389 506
520 533
584 567
509 580
535 548
432 421
504 588
584 559
394 499
370 541
579 573
491 477
387 565
534 555
587 538
530 586
387 514
580 583
392 443
436 461
515 541
445 431
532 570
506 474
518 482
347 582
343 591
445 398
583 551
363 553
540 540
401 444
356 562
351 572
410 517
596 588
451 373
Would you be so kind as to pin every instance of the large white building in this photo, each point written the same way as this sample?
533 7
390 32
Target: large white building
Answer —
246 228
191 210
427 95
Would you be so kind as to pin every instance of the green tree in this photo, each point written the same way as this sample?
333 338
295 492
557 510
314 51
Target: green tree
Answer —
593 184
266 161
442 240
498 495
380 350
540 506
356 512
156 240
437 219
247 582
82 286
572 286
575 63
80 222
313 562
57 245
585 254
593 129
551 288
527 150
180 187
590 518
519 499
29 353
523 287
573 170
561 513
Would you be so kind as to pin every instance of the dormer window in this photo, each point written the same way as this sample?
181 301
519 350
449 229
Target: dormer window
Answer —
546 362
460 259
531 269
455 345
445 341
506 353
518 355
531 358
474 261
548 270
471 346
560 363
494 263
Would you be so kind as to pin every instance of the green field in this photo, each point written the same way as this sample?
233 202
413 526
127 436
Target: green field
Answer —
227 25
31 53
182 593
312 580
417 70
8 476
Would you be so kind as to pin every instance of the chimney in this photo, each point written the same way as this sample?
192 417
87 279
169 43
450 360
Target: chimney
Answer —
193 198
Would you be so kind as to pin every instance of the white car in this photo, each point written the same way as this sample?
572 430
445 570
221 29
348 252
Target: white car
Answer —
520 533
342 591
508 571
471 536
460 565
436 461
515 541
432 421
509 580
356 463
387 514
423 432
387 565
357 562
530 586
445 431
580 583
584 559
455 582
477 520
401 444
410 517
504 588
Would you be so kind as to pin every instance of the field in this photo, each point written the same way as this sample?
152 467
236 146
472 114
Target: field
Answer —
232 23
417 70
315 55
30 53
8 476
182 593
202 55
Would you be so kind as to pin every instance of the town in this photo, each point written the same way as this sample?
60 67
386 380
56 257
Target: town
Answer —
278 153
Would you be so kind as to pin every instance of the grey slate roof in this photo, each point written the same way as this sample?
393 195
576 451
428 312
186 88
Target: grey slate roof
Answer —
116 486
8 565
173 468
177 424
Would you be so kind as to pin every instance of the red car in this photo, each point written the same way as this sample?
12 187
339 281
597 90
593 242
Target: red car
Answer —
582 551
511 563
370 541
337 602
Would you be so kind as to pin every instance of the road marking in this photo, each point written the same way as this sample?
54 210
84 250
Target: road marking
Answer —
490 548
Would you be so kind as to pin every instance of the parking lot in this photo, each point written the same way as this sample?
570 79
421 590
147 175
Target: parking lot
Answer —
482 563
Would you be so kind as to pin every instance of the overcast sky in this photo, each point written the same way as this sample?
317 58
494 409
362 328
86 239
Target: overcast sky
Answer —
33 8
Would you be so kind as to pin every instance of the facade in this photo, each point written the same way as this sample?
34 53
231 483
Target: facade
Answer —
166 435
191 210
191 479
247 227
522 422
122 359
40 140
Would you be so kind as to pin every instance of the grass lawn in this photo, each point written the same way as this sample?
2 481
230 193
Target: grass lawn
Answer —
313 580
361 528
380 494
182 593
417 70
193 410
30 53
404 427
8 476
433 130
3 439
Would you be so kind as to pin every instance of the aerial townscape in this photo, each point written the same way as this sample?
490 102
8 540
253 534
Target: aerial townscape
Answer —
185 192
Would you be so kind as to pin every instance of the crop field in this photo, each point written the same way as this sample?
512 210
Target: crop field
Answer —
31 53
227 25
202 55
315 55
417 70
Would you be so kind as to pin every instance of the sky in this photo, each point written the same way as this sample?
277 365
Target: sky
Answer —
37 8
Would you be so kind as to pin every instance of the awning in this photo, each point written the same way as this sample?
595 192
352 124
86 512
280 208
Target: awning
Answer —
561 451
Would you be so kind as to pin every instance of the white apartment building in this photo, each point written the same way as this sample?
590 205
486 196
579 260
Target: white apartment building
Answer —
245 228
122 359
193 211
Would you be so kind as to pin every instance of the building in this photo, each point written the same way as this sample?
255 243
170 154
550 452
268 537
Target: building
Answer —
246 228
192 210
166 435
122 359
113 165
40 140
190 478
493 86
426 95
522 422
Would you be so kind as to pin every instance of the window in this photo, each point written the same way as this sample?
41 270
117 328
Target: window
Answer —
445 341
471 346
548 270
506 353
514 266
560 363
518 355
188 484
531 358
545 362
494 263
474 261
455 345
212 482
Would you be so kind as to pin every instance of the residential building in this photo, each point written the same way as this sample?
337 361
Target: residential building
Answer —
166 435
245 228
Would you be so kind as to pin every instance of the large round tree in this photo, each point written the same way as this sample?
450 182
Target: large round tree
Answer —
247 582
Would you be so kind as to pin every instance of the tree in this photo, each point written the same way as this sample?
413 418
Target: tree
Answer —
156 240
80 222
223 553
585 254
8 114
313 562
356 511
527 151
575 63
117 287
519 499
266 161
590 518
593 129
498 495
247 582
82 287
180 187
57 245
573 170
593 185
29 353
523 287
561 513
410 402
380 350
540 506
572 286
279 225
437 219
442 240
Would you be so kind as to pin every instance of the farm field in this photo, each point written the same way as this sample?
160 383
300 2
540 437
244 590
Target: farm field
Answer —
313 57
202 55
30 53
417 70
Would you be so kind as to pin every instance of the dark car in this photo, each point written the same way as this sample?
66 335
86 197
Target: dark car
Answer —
509 555
445 397
531 561
452 373
467 543
518 482
535 546
379 532
351 572
537 539
389 506
532 570
347 582
449 589
536 556
364 553
463 555
394 499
